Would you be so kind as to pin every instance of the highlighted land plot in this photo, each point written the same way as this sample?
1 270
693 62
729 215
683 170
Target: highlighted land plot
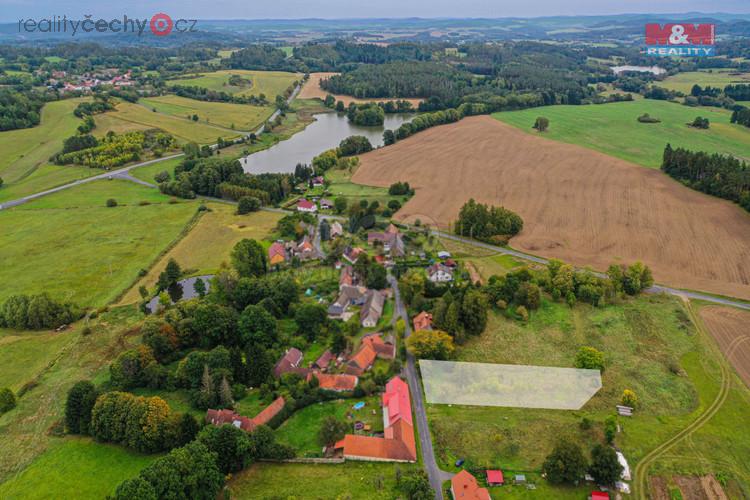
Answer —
518 386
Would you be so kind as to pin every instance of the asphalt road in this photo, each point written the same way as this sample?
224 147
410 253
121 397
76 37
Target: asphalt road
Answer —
435 474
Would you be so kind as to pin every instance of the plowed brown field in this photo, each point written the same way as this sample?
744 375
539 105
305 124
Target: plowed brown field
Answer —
312 90
578 205
731 329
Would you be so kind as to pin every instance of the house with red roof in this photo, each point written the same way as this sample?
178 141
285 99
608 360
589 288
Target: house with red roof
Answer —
304 205
464 486
290 363
324 360
384 347
495 478
599 495
422 321
398 443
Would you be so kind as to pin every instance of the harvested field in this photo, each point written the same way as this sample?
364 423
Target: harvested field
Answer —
729 327
312 90
578 205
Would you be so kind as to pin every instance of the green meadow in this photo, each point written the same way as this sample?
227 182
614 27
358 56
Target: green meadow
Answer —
613 129
650 346
719 78
352 480
98 251
224 114
76 467
270 83
24 163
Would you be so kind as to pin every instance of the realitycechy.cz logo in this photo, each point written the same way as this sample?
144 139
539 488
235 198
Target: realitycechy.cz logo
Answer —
159 24
683 40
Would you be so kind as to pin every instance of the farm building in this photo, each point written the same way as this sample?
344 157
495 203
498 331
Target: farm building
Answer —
372 309
422 321
464 486
335 383
439 273
398 443
276 253
221 417
289 363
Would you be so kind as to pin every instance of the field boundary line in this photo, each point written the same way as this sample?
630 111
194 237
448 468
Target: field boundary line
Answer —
641 470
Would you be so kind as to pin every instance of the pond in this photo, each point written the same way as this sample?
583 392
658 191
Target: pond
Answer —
182 290
328 130
642 69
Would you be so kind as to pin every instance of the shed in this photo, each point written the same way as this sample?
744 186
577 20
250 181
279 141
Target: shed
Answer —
599 495
519 479
495 478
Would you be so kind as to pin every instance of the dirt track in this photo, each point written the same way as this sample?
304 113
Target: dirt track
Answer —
312 90
730 328
578 205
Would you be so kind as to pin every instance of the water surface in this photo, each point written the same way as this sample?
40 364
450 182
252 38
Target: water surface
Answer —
326 132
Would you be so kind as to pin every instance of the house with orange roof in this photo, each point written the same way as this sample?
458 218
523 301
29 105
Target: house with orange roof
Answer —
276 253
464 486
422 321
398 443
335 382
221 417
361 361
384 347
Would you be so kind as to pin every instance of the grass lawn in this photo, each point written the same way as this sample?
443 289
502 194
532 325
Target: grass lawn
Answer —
270 83
352 480
613 129
98 251
76 467
250 405
225 114
210 242
301 429
24 164
341 186
720 78
650 347
137 117
148 172
25 429
643 340
25 353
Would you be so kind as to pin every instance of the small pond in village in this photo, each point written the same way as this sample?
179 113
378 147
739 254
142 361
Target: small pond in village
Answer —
182 290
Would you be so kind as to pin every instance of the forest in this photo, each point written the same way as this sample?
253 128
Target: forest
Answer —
714 174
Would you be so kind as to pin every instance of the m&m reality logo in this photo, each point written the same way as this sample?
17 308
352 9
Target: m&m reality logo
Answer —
683 40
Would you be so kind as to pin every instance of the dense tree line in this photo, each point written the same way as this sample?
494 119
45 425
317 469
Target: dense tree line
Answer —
262 57
715 174
487 223
366 115
19 109
37 312
738 92
343 54
741 116
93 108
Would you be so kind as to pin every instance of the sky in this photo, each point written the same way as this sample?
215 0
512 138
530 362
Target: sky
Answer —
13 10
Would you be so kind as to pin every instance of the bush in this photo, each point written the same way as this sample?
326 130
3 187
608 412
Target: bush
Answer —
629 398
566 464
590 358
81 399
111 203
7 400
248 204
36 312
